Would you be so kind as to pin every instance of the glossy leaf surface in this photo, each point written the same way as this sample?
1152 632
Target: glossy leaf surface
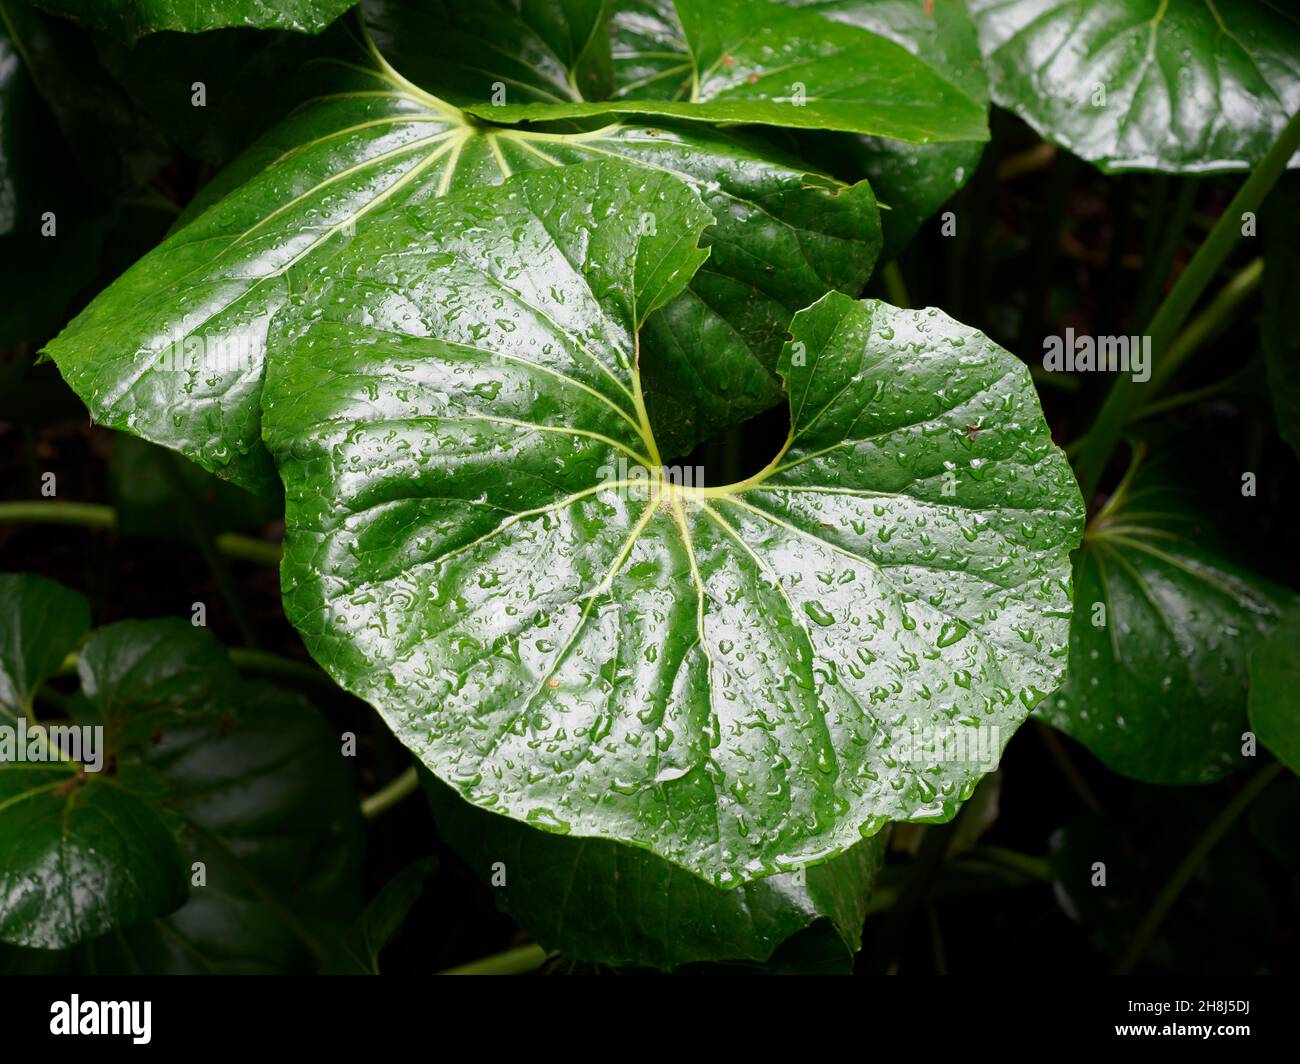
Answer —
175 350
755 61
652 60
718 675
135 18
1172 85
607 903
1162 631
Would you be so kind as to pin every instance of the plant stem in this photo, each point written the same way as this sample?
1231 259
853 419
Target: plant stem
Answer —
390 794
913 895
1038 868
207 548
519 961
87 514
263 662
1210 256
97 515
1164 238
1187 867
895 286
249 548
1067 767
937 953
246 659
1211 321
1029 161
1196 395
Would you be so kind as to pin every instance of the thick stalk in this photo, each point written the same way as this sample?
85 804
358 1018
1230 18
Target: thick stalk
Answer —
1122 400
207 548
390 794
1163 241
518 961
97 515
1211 321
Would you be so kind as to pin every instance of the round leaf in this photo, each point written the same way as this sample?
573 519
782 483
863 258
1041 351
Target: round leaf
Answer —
476 542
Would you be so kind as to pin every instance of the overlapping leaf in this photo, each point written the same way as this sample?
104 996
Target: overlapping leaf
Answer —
722 676
761 61
606 903
134 18
1173 85
652 61
1159 645
175 350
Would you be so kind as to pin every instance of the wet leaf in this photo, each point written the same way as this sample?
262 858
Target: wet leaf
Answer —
755 61
652 60
912 181
135 18
606 903
1147 84
174 351
1162 631
726 676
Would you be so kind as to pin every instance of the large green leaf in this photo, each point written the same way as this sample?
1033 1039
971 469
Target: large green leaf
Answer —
718 675
912 181
652 61
135 18
1275 690
270 811
758 61
187 748
606 903
375 143
1162 631
79 856
546 51
1185 86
